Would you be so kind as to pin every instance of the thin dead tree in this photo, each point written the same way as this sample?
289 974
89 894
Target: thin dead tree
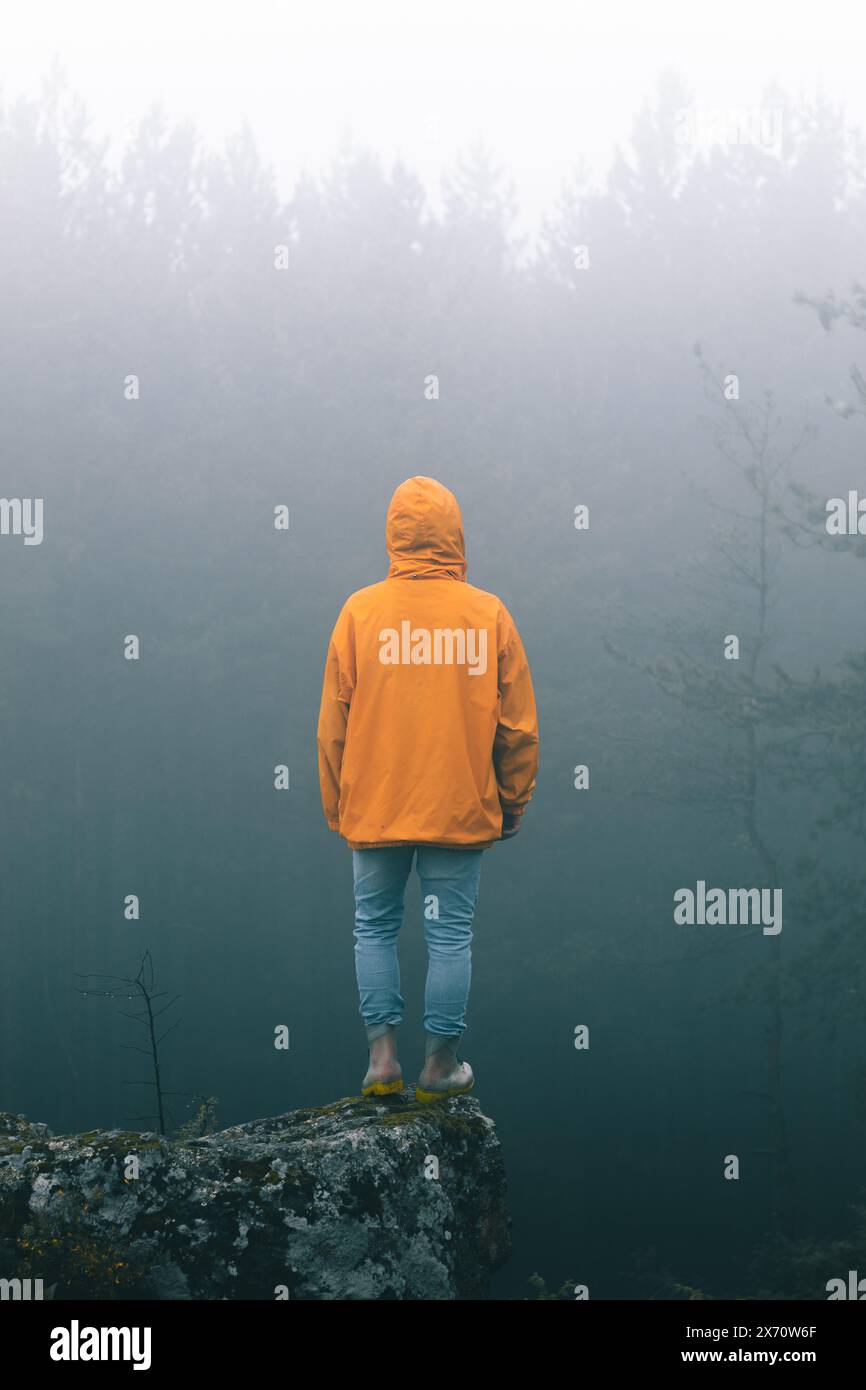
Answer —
140 987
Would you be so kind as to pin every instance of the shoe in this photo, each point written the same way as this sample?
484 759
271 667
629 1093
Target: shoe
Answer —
384 1074
458 1080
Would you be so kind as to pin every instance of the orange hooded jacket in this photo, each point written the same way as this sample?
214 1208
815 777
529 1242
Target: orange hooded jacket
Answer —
427 727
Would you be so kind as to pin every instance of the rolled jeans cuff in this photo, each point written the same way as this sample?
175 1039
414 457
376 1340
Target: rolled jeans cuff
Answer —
378 1030
434 1042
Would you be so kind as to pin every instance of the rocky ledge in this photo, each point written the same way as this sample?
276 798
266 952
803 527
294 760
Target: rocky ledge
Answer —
362 1199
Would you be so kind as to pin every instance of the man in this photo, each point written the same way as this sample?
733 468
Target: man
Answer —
428 746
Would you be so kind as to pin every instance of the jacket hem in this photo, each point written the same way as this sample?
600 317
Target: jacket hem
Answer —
433 844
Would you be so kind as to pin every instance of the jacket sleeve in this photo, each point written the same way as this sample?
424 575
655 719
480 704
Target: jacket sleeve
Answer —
337 688
515 746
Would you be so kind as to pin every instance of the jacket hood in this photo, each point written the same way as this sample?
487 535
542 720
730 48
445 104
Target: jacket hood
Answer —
424 532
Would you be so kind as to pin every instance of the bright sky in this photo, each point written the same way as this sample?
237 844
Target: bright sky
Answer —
542 82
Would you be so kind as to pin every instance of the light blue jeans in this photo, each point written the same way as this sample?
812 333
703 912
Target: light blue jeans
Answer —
449 886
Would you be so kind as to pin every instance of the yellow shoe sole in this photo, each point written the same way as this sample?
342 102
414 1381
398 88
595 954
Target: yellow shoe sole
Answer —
383 1088
427 1097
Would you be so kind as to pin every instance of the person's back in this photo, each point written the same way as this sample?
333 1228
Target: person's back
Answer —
427 741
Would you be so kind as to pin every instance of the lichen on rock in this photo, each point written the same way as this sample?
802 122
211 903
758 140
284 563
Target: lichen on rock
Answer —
360 1199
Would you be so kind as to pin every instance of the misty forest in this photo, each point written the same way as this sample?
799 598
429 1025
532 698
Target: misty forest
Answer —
644 413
